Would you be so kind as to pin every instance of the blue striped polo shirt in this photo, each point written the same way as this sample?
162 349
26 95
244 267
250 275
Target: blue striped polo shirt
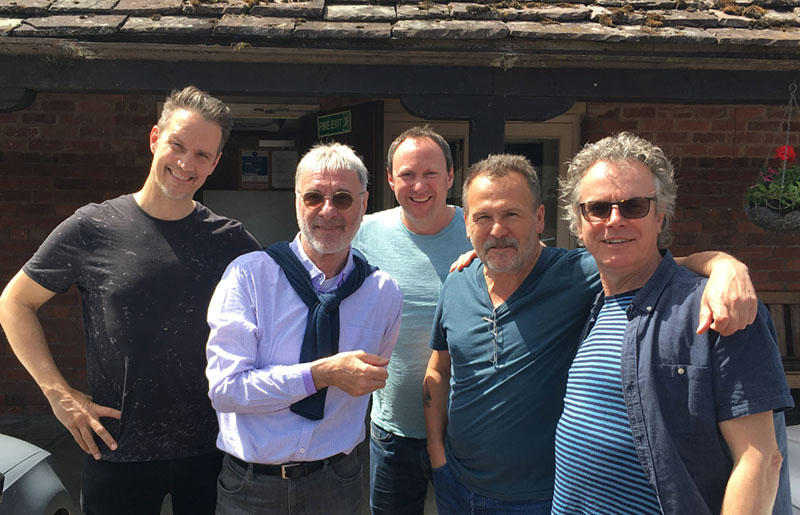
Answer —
597 469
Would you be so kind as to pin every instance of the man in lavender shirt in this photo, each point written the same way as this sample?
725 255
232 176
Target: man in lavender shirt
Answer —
280 456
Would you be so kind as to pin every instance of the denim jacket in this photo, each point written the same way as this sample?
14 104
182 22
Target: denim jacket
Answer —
679 385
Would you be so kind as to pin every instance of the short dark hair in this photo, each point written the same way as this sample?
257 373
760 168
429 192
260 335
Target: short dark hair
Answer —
420 132
192 99
500 165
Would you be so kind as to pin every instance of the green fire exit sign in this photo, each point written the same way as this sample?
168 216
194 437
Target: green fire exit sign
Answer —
333 124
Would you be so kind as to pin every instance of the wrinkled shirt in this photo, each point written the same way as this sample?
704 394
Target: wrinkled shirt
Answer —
678 386
257 325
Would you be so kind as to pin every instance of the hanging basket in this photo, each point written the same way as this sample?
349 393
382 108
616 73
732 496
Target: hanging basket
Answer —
773 202
772 220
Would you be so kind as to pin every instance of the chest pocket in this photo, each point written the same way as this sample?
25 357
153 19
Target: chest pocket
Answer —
686 398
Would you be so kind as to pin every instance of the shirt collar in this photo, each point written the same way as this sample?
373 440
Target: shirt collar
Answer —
317 276
645 301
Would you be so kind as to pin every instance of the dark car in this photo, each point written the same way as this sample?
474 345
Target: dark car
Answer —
28 482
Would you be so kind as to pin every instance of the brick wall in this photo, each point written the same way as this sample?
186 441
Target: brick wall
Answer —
60 153
718 151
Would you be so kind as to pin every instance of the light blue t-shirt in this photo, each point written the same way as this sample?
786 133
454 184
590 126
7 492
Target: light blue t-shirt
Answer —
419 263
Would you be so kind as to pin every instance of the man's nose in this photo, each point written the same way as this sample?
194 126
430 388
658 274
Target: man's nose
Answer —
328 211
615 217
498 229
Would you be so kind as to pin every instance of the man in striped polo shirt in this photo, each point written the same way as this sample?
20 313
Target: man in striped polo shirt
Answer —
658 419
504 334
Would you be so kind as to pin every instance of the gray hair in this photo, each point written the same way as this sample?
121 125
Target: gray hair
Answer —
615 149
332 156
420 133
192 99
500 165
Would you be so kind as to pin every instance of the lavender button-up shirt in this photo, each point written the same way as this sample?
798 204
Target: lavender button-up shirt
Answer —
257 324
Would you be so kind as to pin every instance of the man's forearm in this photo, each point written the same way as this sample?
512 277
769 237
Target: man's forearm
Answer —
703 262
753 484
435 388
757 462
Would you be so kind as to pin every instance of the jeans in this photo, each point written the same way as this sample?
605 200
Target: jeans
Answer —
334 489
399 471
453 498
139 488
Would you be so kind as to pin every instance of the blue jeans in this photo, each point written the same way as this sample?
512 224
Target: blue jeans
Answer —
453 498
399 471
139 488
336 488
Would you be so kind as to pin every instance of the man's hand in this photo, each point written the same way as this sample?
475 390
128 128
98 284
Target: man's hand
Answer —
81 417
729 301
356 373
463 260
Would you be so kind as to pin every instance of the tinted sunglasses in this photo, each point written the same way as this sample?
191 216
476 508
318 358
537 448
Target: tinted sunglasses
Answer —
341 200
632 208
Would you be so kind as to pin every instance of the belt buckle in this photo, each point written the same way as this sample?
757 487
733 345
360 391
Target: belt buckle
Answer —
284 468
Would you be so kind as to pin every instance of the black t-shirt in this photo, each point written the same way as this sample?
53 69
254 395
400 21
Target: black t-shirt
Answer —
145 285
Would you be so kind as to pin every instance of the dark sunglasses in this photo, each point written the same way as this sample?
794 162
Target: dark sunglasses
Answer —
341 200
632 208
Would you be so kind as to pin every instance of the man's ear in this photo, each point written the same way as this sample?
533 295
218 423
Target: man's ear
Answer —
153 139
390 179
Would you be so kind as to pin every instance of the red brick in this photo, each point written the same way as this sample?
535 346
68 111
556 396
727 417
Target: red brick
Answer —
709 137
659 124
693 125
638 112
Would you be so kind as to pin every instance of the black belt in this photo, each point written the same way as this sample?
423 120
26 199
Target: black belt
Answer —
289 470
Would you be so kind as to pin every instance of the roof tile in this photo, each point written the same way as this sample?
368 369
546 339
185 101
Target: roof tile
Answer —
147 7
240 25
216 8
8 25
577 31
762 37
688 19
422 11
83 6
342 30
70 25
24 7
310 9
561 14
168 25
359 13
449 29
469 11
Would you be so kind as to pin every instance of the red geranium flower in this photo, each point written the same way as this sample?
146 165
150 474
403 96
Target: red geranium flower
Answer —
785 153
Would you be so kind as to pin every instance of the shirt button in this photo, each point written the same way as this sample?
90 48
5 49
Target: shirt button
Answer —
649 308
681 371
302 451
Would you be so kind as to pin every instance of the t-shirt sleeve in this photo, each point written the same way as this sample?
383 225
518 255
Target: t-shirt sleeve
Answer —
438 334
748 373
56 264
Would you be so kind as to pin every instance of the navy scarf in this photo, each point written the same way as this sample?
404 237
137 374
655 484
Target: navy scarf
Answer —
321 338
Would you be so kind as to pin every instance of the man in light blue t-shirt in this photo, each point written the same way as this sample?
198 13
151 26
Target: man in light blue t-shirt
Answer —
415 243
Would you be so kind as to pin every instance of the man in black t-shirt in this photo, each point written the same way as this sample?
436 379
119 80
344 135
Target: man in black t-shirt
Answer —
146 265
